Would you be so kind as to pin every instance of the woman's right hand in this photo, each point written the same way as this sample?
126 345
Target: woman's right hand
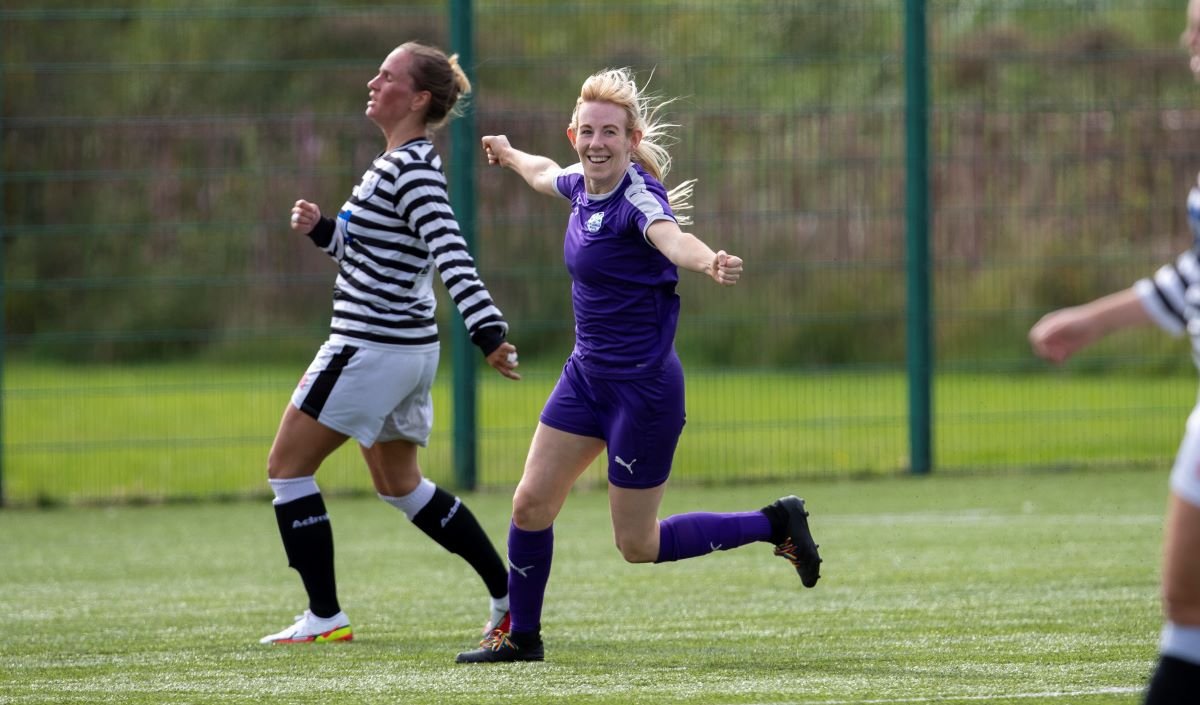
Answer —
495 146
1060 334
305 216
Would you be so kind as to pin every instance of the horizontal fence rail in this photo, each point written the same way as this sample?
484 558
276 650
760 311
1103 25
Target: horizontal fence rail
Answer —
157 311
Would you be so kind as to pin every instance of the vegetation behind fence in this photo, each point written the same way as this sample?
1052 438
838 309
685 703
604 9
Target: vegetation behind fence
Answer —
151 154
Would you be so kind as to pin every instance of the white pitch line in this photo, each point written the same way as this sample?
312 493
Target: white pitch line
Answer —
971 698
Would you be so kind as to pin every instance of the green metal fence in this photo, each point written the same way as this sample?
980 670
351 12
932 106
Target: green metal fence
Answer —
157 311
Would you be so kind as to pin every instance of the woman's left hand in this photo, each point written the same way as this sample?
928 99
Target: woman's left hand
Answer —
504 360
726 269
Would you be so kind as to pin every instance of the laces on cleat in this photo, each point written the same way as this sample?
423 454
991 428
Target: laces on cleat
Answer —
497 640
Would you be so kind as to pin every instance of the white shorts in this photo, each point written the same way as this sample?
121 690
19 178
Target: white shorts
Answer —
370 392
1185 476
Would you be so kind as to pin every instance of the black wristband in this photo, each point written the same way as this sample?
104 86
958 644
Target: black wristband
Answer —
322 232
488 339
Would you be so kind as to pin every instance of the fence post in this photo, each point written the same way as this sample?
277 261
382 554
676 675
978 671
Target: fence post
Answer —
3 283
917 270
462 185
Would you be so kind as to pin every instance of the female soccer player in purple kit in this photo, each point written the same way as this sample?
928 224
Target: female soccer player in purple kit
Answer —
621 388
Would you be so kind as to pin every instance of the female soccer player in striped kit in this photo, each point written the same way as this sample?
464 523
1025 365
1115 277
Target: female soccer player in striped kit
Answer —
1171 299
622 386
371 379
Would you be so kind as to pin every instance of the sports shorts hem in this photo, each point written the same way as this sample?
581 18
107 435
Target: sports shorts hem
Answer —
1185 474
567 428
332 426
638 486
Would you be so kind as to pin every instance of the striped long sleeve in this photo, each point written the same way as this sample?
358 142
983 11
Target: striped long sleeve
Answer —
1165 296
396 228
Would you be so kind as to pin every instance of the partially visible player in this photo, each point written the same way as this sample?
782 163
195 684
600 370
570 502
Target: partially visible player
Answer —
371 379
621 389
1171 298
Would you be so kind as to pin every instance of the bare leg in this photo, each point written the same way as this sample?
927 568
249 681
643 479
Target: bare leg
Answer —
556 460
635 521
1176 678
394 468
301 445
1181 564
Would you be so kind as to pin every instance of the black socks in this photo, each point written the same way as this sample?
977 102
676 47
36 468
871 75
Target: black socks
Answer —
1175 682
308 542
447 520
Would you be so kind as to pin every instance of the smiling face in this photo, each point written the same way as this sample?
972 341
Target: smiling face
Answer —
604 144
392 96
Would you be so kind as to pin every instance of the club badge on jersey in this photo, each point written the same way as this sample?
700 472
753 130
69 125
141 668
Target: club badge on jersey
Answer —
366 187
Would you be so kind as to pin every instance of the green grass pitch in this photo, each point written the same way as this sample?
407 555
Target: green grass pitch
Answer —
191 430
1004 588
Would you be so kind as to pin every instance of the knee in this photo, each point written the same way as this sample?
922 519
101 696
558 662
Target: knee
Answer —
529 514
276 469
1181 605
398 484
637 550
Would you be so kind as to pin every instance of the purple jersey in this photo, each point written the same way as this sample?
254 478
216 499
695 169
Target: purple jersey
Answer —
622 288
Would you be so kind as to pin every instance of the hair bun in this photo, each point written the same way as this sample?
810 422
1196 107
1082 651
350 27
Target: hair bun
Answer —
460 76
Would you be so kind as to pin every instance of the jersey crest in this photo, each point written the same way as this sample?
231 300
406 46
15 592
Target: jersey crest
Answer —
367 186
593 223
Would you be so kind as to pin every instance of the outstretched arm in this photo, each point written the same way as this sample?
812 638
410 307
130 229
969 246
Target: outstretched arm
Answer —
688 251
538 171
1062 333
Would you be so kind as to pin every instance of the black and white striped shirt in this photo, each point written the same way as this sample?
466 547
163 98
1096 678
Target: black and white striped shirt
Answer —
1172 295
388 237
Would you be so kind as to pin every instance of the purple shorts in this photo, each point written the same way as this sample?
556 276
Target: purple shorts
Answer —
640 419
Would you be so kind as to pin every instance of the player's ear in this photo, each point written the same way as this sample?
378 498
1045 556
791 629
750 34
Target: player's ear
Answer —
571 136
635 138
421 100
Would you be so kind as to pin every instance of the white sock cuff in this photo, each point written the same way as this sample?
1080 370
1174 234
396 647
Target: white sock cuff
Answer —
294 488
414 501
500 604
1181 641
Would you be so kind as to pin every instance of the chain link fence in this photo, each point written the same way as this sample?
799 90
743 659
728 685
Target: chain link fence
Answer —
157 310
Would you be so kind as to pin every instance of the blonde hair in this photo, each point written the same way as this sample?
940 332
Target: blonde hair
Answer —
617 86
445 80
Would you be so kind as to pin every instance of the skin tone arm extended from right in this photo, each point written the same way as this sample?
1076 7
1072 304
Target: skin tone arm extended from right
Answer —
538 171
1062 333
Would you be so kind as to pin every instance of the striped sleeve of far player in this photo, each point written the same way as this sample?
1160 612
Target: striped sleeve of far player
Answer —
424 206
1172 295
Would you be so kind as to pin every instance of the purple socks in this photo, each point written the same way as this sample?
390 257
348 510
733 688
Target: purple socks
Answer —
680 536
529 554
699 533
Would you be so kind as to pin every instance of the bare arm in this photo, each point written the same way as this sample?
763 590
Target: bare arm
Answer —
1062 333
688 251
538 171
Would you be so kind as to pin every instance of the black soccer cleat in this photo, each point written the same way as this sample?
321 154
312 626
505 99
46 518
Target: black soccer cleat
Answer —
799 548
498 647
